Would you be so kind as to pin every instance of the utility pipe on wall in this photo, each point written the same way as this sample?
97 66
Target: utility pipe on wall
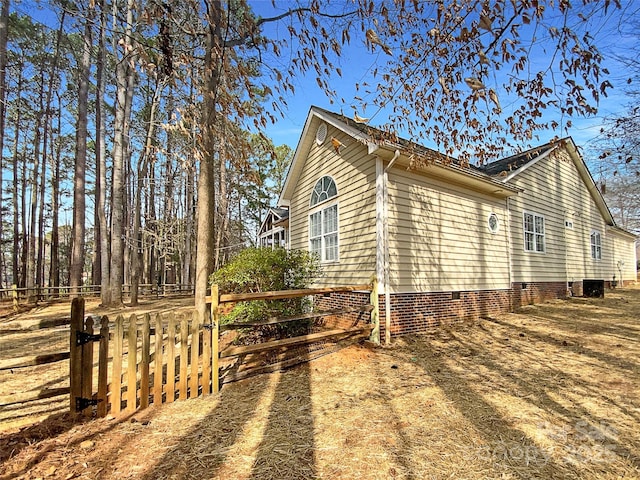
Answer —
385 226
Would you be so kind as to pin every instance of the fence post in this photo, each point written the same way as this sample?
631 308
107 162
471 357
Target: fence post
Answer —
87 367
375 313
14 294
75 353
215 330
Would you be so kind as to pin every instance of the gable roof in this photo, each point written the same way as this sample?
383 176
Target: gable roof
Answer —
512 165
275 217
385 144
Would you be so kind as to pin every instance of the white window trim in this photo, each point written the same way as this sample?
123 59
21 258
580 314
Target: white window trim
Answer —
322 207
524 233
597 257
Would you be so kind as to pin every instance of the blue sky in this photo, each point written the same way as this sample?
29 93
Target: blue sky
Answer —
357 63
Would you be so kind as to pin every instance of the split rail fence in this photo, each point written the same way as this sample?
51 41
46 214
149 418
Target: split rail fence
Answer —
174 356
26 296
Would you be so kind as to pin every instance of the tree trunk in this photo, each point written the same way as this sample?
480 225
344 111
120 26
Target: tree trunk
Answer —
143 170
31 253
40 276
16 205
206 180
54 271
187 265
101 163
4 35
124 87
76 268
222 210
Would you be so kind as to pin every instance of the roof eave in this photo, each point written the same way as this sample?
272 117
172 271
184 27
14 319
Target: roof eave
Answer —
285 195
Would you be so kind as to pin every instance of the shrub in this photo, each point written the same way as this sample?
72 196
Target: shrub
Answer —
262 270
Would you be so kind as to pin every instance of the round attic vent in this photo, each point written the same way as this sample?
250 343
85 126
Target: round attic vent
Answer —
321 134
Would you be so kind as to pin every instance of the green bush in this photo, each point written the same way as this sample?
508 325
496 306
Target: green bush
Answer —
262 270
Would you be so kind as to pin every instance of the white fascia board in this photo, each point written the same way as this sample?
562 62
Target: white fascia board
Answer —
349 130
590 183
529 164
284 201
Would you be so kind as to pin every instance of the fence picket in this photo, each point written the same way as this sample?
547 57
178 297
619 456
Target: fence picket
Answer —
132 362
116 375
171 359
206 360
103 361
144 362
195 354
157 360
184 357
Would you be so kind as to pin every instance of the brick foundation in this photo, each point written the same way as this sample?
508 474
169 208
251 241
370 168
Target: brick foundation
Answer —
336 301
421 312
528 293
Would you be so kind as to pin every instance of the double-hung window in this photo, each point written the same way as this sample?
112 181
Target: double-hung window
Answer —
323 220
533 232
596 245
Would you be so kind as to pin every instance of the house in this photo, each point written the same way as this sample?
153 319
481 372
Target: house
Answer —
274 229
445 241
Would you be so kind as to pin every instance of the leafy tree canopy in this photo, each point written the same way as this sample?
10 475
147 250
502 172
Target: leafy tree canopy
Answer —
473 77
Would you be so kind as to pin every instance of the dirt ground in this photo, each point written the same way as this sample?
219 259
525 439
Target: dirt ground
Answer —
550 392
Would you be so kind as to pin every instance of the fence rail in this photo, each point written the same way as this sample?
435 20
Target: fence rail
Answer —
24 295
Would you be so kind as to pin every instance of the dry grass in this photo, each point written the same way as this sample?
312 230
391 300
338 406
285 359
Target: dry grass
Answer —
550 392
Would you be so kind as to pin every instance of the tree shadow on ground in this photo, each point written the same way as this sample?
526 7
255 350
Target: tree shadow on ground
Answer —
44 436
536 388
267 421
287 447
507 448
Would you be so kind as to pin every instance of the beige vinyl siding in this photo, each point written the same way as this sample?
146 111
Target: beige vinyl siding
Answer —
623 255
354 174
439 237
553 188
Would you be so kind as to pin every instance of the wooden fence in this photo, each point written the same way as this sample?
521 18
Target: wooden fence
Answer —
32 392
21 295
168 357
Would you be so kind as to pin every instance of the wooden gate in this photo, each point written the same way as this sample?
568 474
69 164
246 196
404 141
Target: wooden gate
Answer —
171 356
141 360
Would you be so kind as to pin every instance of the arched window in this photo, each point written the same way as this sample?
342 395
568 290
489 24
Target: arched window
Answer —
323 220
324 190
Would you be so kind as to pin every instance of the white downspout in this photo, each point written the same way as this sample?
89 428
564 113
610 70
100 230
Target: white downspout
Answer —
386 257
